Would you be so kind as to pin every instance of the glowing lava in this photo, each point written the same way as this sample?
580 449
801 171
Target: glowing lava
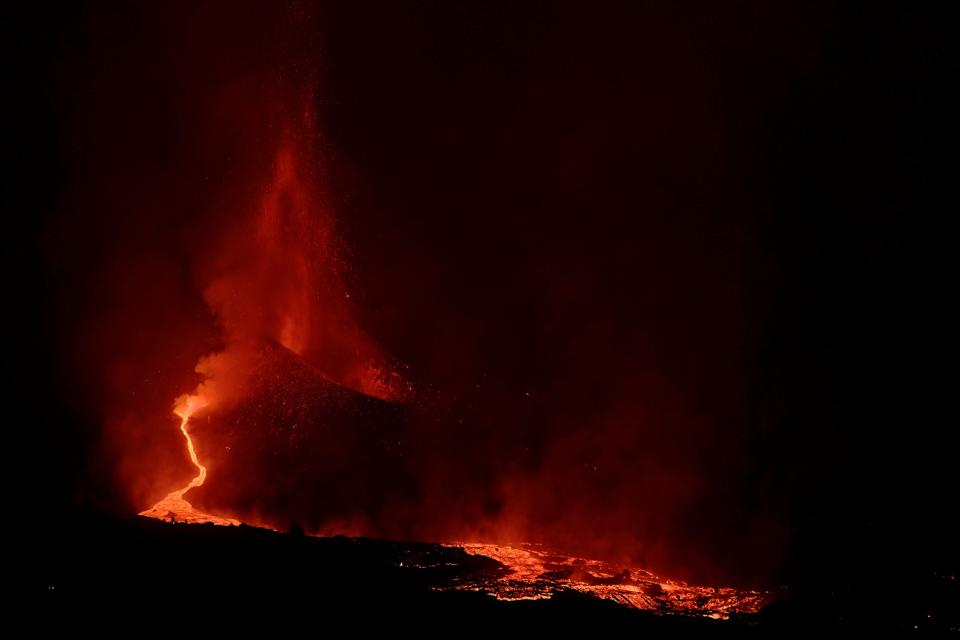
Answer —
174 507
533 572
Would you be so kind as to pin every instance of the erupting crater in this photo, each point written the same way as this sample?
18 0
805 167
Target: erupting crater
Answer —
306 421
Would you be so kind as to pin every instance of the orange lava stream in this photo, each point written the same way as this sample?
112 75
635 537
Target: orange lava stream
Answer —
174 507
534 572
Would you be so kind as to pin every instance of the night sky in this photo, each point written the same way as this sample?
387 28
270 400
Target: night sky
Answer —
670 280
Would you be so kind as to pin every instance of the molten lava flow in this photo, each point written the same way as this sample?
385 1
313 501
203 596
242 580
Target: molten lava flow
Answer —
174 507
533 572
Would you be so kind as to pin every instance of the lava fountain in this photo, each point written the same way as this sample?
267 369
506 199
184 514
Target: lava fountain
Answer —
271 276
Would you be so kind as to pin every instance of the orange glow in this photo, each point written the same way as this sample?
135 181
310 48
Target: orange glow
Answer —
174 507
533 572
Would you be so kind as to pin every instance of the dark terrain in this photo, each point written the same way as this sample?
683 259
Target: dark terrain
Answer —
227 576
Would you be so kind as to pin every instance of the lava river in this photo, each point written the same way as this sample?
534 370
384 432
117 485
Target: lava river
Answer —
174 507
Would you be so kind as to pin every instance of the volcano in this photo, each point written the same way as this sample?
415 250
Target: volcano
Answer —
299 449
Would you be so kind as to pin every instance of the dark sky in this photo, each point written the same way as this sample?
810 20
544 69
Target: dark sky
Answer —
667 271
